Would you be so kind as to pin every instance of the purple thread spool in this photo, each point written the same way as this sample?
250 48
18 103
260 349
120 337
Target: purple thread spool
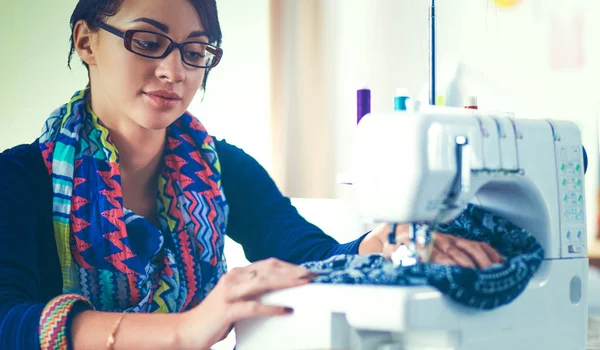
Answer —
363 103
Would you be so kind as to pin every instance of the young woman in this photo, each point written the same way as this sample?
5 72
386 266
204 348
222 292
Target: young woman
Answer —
122 203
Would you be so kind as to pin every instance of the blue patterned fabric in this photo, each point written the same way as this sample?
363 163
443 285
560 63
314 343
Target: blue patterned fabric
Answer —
109 255
478 288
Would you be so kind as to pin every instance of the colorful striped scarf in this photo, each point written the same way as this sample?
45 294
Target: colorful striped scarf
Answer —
108 254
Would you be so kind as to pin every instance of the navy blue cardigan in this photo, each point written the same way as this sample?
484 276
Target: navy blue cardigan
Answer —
261 219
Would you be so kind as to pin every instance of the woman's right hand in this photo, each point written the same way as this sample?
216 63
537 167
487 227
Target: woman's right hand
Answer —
447 249
234 299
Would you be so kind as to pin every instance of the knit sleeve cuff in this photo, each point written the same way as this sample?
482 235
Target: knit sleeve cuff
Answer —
55 320
349 248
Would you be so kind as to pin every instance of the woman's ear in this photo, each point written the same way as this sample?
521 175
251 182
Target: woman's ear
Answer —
84 40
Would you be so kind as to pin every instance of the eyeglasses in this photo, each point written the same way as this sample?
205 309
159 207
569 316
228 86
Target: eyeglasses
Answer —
155 45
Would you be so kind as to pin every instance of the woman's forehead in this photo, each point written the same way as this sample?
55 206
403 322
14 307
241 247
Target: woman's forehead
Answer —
177 16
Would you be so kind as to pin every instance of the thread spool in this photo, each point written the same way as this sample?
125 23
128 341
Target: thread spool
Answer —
471 102
400 99
363 103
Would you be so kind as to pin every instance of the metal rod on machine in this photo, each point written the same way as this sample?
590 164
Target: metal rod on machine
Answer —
432 54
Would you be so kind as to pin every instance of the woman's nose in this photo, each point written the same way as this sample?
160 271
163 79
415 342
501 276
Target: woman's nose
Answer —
171 68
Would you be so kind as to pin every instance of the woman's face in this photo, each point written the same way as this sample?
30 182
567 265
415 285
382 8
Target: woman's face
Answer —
139 91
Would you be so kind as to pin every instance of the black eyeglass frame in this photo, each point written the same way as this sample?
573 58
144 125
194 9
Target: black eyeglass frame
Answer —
127 37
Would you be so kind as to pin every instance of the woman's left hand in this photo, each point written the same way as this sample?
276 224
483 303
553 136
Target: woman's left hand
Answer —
447 249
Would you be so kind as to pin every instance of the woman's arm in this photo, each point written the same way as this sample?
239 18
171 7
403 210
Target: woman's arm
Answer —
232 300
23 190
91 329
21 305
264 221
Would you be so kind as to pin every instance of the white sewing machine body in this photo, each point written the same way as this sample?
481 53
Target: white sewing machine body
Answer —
527 171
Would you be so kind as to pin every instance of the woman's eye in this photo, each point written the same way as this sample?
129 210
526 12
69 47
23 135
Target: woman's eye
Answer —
193 55
147 45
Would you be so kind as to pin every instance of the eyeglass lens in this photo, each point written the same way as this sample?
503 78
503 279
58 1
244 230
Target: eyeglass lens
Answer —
155 45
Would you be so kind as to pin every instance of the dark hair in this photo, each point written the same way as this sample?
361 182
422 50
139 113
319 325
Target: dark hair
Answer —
95 12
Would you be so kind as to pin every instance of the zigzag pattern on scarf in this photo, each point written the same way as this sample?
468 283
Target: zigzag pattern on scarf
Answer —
53 321
130 265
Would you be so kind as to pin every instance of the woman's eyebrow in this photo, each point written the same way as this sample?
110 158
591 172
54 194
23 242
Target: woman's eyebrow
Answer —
165 28
197 34
161 26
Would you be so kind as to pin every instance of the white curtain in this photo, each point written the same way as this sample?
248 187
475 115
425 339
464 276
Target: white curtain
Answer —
302 127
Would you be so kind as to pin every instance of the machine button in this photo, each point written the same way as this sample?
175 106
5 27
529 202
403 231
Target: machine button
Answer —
568 234
575 249
563 152
573 214
571 210
575 153
571 183
572 170
573 198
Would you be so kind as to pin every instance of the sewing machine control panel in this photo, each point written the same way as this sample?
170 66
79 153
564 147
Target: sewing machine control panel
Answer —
569 159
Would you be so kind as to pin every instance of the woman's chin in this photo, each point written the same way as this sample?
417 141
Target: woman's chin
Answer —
157 121
156 124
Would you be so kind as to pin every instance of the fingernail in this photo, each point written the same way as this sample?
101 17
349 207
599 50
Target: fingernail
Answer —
309 276
288 310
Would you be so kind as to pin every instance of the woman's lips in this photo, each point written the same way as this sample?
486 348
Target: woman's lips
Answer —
163 98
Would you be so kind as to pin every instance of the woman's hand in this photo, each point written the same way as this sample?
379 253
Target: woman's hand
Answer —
233 299
447 249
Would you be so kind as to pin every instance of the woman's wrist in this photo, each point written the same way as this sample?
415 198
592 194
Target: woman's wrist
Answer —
377 240
188 331
370 245
180 338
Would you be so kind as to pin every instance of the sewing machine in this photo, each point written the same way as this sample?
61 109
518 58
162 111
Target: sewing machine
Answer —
423 167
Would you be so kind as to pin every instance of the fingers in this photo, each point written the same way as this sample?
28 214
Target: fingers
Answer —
446 244
442 241
460 257
492 253
265 276
237 289
263 284
467 253
252 308
266 267
272 265
478 251
439 257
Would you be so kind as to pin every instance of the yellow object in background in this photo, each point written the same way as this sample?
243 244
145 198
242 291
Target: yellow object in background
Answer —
440 100
507 3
